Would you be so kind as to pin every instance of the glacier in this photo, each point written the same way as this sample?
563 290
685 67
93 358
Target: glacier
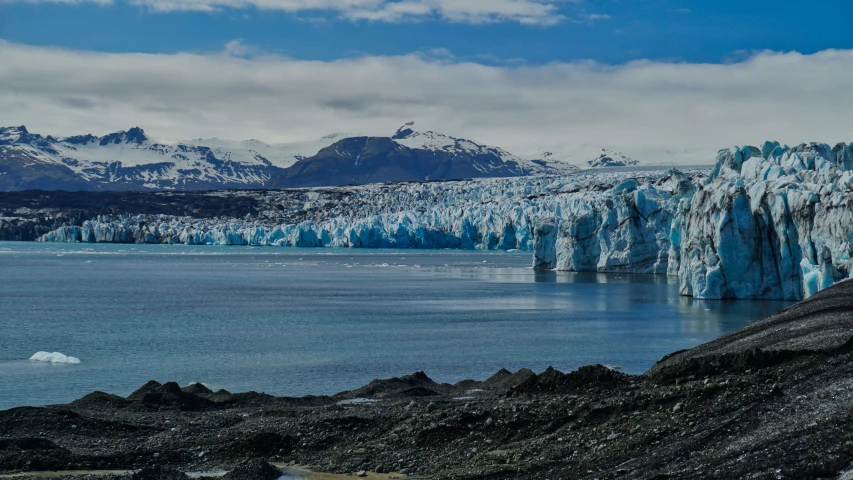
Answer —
490 214
767 222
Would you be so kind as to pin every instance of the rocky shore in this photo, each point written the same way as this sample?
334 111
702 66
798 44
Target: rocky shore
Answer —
770 401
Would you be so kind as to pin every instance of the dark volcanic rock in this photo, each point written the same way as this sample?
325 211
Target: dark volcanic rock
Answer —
159 473
100 399
585 378
416 384
31 454
255 469
260 444
197 388
168 395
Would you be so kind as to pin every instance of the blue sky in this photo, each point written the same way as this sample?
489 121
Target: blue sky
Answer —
660 80
674 30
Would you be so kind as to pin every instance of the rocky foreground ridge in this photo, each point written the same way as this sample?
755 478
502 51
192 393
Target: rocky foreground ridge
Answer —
770 401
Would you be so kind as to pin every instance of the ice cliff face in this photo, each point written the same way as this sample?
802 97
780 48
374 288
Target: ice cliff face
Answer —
771 223
775 222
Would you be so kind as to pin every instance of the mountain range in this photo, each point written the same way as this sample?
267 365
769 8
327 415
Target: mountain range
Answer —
130 160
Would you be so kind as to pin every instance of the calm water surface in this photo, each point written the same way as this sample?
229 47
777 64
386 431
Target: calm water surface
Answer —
292 321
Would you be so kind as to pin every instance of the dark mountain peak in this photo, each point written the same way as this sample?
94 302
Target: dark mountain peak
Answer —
19 134
404 131
80 139
344 147
16 131
135 135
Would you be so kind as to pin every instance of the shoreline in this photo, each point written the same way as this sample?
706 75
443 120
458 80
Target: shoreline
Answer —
770 400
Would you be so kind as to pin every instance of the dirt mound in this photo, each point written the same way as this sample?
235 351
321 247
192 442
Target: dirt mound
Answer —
255 469
504 379
169 396
99 399
396 386
21 444
418 392
585 378
159 473
31 454
261 444
197 388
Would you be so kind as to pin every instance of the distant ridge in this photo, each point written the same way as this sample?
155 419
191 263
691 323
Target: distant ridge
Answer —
131 160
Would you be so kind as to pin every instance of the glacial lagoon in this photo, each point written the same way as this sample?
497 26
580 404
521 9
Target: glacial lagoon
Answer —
291 321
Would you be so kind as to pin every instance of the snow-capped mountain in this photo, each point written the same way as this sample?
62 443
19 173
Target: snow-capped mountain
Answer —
609 158
438 142
408 155
281 155
129 160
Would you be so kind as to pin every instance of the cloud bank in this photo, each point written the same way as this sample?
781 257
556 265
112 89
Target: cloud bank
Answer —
531 12
654 111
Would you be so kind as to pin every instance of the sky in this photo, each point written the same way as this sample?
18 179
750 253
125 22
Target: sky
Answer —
660 80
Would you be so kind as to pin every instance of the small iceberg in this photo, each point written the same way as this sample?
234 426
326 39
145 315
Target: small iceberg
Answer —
54 357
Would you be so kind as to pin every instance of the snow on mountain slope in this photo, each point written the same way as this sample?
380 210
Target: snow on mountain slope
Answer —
131 160
434 141
579 155
609 158
281 155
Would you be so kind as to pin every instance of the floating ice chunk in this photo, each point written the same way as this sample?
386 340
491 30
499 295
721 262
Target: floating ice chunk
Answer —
54 357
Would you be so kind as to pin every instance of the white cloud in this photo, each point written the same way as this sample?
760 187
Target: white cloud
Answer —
533 12
540 12
651 110
238 48
67 2
594 17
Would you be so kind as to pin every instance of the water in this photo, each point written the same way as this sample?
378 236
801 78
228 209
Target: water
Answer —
317 321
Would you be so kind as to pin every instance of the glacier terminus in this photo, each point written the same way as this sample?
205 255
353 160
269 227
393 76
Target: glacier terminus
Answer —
768 222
